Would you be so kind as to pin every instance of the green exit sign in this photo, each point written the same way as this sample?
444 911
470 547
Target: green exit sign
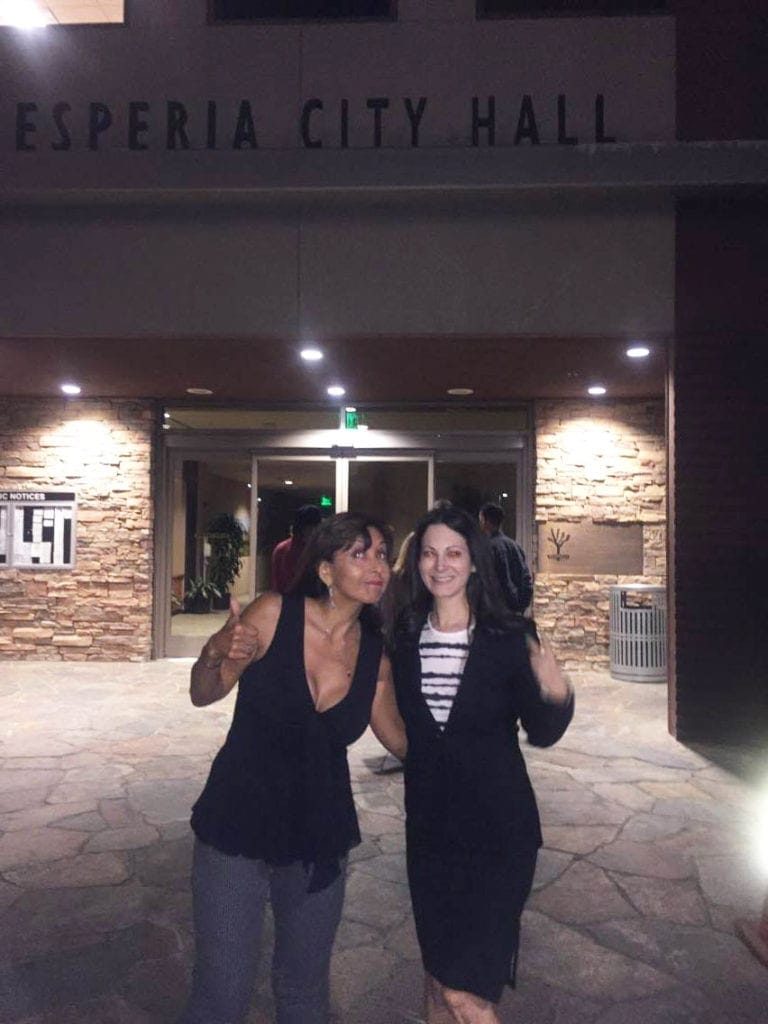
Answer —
326 501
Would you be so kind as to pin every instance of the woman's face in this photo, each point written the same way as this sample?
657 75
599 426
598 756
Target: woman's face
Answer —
445 563
359 573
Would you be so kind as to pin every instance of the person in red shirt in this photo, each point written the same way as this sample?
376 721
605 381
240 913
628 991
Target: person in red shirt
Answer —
286 554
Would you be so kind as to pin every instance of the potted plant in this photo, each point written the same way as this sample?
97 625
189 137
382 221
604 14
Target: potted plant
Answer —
199 595
226 538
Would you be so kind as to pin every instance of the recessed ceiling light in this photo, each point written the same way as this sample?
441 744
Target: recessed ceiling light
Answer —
336 391
71 389
638 352
288 483
199 391
311 355
461 392
350 408
596 389
166 415
166 426
24 14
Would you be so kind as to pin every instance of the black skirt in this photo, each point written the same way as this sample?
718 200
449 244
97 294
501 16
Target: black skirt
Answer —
467 909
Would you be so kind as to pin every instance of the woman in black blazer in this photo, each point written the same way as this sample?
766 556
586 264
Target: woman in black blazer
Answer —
467 672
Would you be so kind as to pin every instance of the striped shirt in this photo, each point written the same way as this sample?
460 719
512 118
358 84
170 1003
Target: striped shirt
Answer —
443 656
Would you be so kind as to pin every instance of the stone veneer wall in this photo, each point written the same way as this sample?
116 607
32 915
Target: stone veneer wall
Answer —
101 450
604 462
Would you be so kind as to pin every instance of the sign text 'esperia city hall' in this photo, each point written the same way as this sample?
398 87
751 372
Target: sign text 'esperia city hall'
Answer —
339 124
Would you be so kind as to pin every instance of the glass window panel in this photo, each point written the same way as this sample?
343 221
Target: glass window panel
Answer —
514 418
393 490
469 484
251 10
313 482
523 8
183 418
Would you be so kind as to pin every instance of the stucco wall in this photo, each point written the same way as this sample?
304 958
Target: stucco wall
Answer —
601 462
101 609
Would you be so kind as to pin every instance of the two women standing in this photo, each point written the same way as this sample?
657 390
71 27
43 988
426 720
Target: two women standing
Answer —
276 817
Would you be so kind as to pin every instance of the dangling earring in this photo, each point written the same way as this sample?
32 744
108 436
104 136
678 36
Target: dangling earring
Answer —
330 597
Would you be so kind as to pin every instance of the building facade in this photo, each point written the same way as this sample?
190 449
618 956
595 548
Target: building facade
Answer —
495 198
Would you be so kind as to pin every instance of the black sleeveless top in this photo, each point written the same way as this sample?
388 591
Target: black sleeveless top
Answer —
279 788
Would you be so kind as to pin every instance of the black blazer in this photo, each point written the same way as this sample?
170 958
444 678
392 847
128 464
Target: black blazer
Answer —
467 788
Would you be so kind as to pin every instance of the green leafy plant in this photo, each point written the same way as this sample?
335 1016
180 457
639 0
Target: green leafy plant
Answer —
226 537
199 595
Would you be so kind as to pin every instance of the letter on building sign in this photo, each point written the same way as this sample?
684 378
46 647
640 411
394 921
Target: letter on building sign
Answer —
136 124
176 126
309 107
415 116
24 126
563 138
526 123
600 135
210 125
377 104
344 125
245 129
99 120
489 121
65 139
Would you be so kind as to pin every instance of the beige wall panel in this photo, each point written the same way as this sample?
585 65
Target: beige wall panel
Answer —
509 271
139 273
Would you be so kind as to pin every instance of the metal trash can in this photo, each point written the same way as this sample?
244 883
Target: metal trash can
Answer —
638 632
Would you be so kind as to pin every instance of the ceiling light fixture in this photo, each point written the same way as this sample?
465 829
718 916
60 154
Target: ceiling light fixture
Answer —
350 408
23 14
638 352
311 355
199 391
461 392
71 389
288 483
596 389
336 391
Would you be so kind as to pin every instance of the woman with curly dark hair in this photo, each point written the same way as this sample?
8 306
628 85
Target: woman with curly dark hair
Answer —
467 670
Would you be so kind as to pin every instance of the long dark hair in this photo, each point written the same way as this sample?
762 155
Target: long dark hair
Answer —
484 596
339 533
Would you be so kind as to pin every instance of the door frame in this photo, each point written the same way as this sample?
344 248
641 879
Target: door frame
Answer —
340 445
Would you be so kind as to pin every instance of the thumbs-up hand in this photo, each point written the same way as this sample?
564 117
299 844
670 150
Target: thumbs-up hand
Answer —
237 640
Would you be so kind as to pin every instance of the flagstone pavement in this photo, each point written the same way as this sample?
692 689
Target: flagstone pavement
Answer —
651 852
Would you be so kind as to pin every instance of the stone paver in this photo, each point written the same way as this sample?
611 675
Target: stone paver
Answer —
648 859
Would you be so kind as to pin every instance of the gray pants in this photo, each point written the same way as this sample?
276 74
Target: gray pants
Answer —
230 895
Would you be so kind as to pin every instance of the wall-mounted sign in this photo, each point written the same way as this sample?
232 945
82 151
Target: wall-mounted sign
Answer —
590 549
37 529
60 126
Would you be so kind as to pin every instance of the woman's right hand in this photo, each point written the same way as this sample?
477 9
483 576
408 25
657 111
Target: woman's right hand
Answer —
224 658
237 640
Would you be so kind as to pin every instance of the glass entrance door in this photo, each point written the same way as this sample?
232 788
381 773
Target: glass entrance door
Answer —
470 480
395 489
208 495
285 484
